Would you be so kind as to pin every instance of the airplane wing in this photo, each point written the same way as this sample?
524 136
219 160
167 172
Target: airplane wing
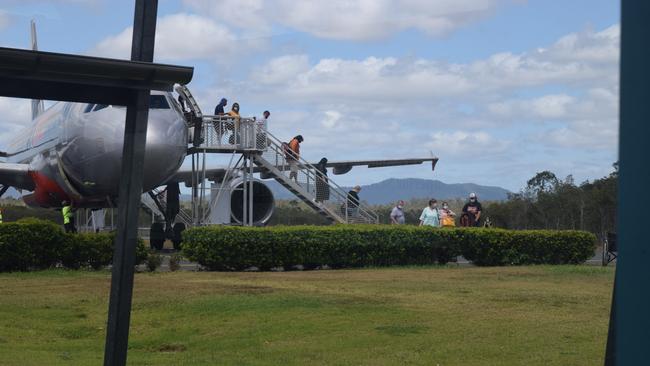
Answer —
338 167
16 175
185 176
342 167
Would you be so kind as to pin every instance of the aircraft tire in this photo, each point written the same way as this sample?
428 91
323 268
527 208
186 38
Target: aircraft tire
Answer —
157 236
177 238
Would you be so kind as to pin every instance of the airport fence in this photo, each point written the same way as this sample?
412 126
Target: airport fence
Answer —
226 248
32 244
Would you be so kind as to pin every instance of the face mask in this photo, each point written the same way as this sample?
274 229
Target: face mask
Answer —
445 207
399 206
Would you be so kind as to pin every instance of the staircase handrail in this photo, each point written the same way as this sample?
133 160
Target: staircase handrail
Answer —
316 175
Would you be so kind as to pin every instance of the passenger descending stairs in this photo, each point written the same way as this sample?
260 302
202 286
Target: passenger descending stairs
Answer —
337 209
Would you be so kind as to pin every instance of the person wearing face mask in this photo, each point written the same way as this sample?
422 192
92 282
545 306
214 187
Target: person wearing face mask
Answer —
447 216
397 214
234 113
473 209
430 215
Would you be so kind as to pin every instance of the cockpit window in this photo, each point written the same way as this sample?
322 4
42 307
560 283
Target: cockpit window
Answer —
88 108
99 107
158 102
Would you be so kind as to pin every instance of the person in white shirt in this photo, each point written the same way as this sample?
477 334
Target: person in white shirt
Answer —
260 130
397 214
430 215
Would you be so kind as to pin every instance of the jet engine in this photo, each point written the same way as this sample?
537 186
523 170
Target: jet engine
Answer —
227 202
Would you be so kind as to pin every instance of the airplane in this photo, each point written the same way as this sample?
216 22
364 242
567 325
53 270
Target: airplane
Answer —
73 152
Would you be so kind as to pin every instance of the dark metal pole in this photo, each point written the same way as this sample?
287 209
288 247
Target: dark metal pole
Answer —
135 133
632 318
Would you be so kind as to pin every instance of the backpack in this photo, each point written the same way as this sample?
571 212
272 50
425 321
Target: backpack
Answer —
286 150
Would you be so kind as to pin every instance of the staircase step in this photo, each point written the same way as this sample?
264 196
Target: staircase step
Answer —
300 192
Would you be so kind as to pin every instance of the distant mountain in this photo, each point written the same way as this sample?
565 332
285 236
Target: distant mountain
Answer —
391 190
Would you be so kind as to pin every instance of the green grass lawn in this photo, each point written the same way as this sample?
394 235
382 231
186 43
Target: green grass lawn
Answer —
545 315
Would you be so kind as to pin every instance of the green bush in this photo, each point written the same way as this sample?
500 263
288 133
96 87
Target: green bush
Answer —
94 250
154 260
238 248
175 262
29 244
37 244
496 247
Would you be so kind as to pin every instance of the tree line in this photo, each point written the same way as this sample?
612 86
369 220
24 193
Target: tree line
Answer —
548 202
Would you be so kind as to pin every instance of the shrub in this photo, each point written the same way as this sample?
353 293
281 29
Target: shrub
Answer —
29 244
175 262
496 247
36 244
94 251
154 261
238 248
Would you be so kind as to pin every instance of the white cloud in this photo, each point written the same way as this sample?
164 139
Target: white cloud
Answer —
332 119
587 46
552 106
474 145
16 115
181 37
581 60
357 20
404 101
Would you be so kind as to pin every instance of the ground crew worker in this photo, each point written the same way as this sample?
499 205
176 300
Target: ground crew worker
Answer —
68 217
0 216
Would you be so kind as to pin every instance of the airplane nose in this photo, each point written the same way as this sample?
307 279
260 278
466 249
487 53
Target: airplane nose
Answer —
165 150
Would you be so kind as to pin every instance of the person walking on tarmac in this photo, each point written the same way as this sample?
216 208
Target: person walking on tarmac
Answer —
0 216
430 215
397 214
473 209
68 217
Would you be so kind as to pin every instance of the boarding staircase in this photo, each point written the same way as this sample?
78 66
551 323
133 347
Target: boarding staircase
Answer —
248 136
158 206
310 186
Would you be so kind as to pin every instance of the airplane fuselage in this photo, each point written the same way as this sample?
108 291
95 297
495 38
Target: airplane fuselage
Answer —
74 151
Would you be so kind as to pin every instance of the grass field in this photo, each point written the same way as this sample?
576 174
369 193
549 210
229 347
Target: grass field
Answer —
546 315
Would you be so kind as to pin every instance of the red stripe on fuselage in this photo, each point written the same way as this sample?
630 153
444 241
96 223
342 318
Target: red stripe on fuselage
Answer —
47 192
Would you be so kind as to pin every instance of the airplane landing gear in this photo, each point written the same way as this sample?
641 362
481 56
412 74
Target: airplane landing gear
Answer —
177 237
157 235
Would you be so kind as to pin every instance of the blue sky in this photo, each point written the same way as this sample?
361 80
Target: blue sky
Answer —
497 89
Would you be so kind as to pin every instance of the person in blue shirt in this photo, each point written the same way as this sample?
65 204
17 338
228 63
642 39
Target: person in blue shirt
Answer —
218 110
430 215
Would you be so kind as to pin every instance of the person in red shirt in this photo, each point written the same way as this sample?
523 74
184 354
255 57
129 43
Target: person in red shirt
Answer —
293 156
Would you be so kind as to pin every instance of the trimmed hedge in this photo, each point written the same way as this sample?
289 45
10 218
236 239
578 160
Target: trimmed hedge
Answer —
237 248
31 244
498 247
